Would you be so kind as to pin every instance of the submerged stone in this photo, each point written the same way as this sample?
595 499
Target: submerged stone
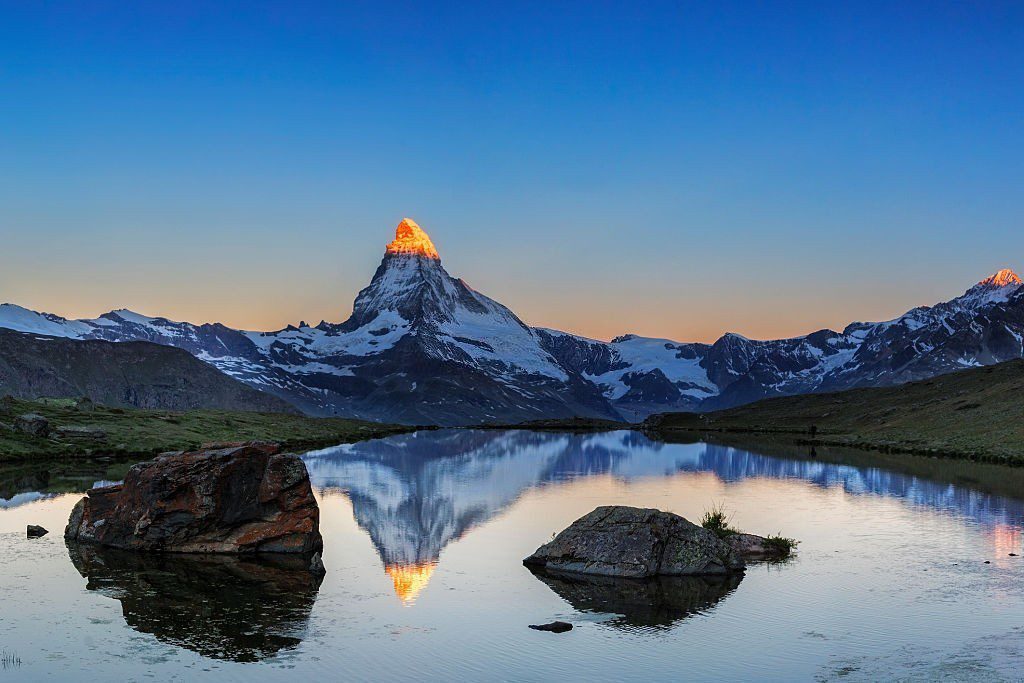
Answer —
553 627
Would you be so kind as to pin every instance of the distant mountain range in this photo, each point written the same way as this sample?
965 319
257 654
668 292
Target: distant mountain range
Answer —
423 347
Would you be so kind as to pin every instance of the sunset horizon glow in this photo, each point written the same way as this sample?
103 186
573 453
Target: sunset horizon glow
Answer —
410 238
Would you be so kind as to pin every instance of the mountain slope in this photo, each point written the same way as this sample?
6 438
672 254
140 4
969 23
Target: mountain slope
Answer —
134 374
972 413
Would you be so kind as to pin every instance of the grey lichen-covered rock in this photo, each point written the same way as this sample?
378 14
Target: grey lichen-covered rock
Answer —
636 543
33 424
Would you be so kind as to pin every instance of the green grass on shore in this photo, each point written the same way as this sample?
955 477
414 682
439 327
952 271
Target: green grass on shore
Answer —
134 433
977 414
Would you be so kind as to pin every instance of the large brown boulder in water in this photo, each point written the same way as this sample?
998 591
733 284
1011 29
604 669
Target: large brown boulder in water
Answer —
630 542
238 499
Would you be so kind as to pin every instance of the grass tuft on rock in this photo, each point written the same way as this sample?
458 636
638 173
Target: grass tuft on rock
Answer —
717 520
782 545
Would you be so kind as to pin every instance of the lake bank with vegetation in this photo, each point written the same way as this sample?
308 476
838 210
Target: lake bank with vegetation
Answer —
973 414
76 429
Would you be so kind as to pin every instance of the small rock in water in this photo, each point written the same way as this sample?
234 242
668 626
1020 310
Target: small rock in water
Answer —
316 565
35 531
988 562
554 627
754 547
1013 554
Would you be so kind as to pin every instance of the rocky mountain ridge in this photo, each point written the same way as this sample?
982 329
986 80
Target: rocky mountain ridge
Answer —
423 347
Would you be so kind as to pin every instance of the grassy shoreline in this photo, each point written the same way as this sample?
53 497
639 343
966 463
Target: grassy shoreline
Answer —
139 434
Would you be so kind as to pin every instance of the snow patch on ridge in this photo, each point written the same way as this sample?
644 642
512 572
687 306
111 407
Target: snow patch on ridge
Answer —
13 317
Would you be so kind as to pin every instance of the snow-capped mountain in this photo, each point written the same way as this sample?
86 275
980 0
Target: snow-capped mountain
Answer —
424 347
420 347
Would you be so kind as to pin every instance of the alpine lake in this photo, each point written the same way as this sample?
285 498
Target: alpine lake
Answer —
907 569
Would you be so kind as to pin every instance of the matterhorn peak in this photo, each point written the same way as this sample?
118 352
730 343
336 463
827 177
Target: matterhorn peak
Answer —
1004 278
410 239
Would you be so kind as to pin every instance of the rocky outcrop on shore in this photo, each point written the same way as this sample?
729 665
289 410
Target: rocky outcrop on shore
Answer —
637 543
243 498
33 425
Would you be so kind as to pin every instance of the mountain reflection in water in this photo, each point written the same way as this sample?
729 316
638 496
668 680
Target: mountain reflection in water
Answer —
416 493
243 609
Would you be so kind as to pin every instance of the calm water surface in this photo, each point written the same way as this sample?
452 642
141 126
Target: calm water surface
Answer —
425 534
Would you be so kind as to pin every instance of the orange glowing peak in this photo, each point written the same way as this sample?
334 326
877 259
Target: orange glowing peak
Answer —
410 579
1001 279
410 239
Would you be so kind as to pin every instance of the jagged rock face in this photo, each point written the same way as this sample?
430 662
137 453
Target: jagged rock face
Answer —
240 499
423 347
636 543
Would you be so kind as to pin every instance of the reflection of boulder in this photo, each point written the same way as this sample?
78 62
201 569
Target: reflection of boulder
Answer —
240 608
657 602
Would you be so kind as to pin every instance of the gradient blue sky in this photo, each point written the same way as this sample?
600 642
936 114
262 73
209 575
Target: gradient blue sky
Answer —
675 169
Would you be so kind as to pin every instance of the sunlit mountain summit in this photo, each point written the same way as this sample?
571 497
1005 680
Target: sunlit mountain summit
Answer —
410 239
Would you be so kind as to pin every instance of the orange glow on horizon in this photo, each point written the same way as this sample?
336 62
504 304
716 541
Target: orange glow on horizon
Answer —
410 239
410 579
